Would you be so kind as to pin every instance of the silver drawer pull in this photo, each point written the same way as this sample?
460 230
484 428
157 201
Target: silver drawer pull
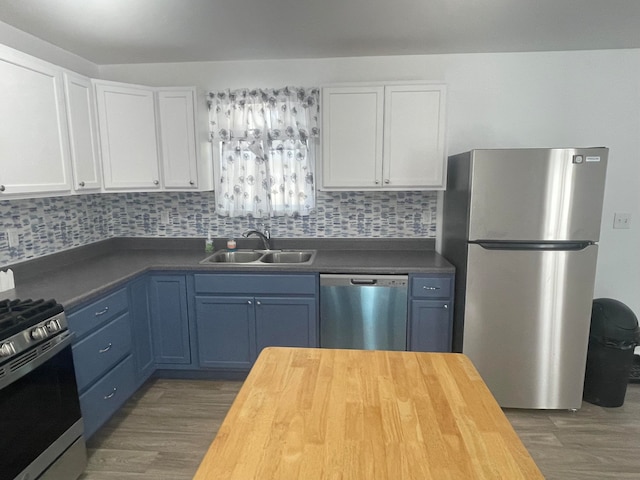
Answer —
102 312
431 288
107 397
105 349
445 306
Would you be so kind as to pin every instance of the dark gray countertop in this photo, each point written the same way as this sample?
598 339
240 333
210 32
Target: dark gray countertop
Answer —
83 273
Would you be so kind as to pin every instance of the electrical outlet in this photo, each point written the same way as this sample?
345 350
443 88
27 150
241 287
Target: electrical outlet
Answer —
426 217
164 217
13 239
622 220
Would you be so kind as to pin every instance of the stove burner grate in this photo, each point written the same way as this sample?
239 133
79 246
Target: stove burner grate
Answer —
18 315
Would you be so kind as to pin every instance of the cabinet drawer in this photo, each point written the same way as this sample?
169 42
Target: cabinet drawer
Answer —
244 284
431 287
101 350
105 397
98 313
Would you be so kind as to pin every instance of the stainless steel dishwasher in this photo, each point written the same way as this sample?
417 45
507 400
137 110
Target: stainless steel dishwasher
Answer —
363 311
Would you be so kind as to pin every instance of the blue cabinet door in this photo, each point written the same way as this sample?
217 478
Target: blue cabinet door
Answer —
285 322
169 319
431 326
226 332
139 310
107 395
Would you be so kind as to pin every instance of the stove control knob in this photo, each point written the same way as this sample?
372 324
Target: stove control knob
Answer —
39 333
53 326
7 349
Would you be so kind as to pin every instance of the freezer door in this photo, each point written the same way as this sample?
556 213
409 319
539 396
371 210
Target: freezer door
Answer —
536 194
526 323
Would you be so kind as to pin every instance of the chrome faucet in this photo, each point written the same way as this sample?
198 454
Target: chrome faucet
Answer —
265 236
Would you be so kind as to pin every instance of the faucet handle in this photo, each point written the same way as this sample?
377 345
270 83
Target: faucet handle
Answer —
266 231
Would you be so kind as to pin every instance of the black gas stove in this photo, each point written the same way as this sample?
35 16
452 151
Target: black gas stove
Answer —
26 323
40 416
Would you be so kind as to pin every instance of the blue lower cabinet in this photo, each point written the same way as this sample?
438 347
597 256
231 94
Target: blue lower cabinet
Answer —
169 320
431 326
430 312
100 351
226 333
285 322
102 400
237 315
99 312
140 314
102 356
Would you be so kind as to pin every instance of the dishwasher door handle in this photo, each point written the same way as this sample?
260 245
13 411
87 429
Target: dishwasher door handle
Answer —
363 281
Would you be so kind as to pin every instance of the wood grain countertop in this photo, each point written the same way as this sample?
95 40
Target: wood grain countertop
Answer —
354 414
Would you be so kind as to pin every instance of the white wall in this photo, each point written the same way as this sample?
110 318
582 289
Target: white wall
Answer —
557 99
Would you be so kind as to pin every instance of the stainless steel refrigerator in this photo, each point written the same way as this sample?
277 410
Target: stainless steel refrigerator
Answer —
521 227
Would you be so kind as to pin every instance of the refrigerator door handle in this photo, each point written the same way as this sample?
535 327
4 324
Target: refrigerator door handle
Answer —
541 246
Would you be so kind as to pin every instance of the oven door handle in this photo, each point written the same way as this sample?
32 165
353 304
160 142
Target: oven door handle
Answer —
59 343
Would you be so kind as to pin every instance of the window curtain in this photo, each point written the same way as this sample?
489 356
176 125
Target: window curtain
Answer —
266 140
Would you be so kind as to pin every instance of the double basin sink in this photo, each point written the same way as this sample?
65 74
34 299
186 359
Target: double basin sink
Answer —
262 257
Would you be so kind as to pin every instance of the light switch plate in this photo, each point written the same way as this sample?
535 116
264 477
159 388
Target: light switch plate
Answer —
622 220
13 239
164 217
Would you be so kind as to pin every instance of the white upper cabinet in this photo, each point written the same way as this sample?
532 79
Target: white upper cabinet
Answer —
178 138
34 142
83 136
352 129
128 136
383 137
414 136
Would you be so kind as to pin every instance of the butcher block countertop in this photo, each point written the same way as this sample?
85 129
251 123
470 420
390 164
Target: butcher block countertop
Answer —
355 414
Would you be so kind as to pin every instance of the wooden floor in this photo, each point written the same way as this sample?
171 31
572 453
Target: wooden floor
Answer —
164 430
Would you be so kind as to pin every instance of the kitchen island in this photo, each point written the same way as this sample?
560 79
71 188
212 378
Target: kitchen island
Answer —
354 414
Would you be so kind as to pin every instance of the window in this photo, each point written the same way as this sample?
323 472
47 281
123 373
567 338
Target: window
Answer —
266 144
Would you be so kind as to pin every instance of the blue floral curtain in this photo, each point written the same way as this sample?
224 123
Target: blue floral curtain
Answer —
266 140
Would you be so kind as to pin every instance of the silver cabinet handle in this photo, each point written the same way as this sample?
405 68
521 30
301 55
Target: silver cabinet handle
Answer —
191 182
102 312
2 188
431 288
445 306
249 302
107 397
387 181
377 182
81 184
258 303
105 349
156 182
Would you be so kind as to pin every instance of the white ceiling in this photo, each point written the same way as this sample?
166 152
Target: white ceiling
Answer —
149 31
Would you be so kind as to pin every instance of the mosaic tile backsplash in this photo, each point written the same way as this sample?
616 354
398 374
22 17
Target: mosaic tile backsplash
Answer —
48 225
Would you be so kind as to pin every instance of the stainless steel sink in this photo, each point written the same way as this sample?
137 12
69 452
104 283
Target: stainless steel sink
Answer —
262 257
286 257
237 256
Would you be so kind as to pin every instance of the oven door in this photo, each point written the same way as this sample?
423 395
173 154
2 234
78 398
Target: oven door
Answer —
39 409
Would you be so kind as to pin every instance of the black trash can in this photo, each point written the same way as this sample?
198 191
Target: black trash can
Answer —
613 336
